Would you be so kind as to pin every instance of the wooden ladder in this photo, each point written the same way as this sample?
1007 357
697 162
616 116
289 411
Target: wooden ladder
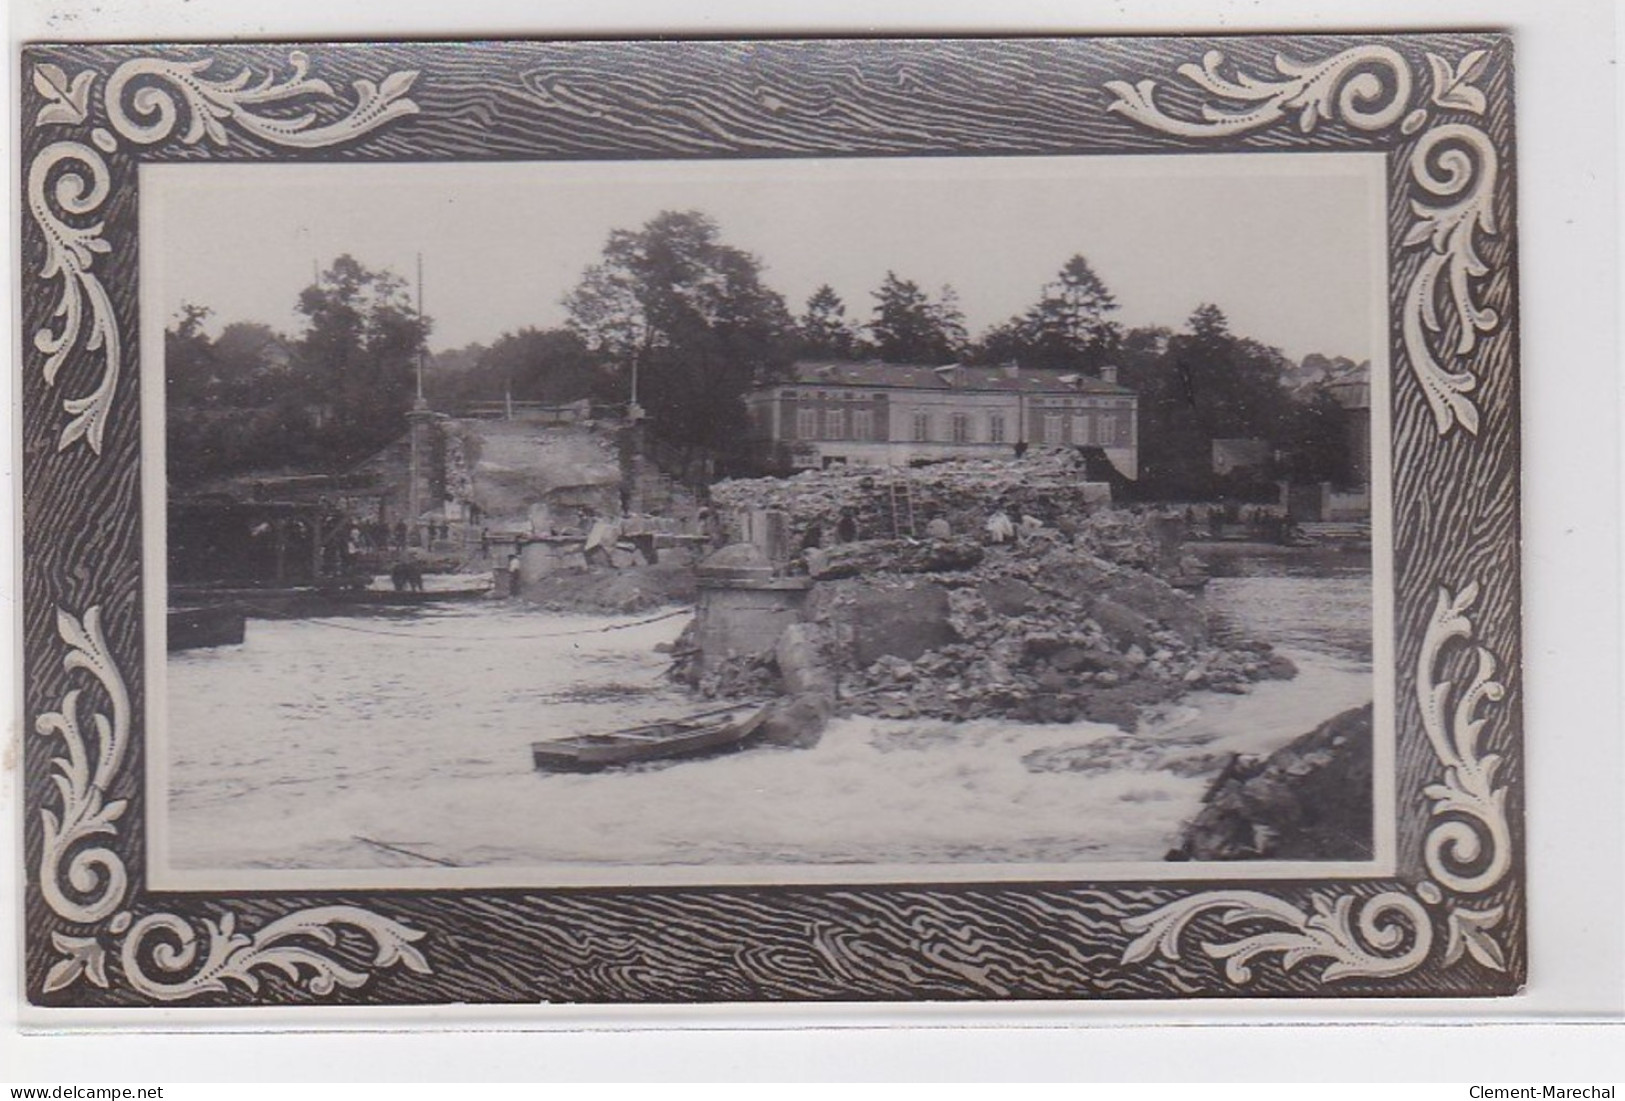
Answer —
902 508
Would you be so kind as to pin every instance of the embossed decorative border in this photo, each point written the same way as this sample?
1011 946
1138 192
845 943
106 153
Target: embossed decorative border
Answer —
1452 165
82 878
1437 106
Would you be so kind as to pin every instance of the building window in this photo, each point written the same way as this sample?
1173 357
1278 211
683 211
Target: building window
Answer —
835 424
806 423
1052 428
922 427
995 428
1108 430
863 424
961 428
1085 431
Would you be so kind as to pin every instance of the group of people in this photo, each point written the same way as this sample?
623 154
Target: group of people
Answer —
377 536
1007 523
1004 525
1265 522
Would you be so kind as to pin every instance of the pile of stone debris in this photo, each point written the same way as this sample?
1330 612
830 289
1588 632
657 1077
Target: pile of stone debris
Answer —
1045 631
1046 486
1048 629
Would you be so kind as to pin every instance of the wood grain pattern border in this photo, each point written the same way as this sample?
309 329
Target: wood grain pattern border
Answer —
1438 106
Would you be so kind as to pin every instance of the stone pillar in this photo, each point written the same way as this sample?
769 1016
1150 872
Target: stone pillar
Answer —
744 618
418 422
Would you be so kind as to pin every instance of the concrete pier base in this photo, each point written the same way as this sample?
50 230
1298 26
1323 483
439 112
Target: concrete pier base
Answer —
741 618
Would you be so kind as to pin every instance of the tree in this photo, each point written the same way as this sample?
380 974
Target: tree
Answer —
359 354
1316 446
552 366
908 327
190 369
1069 328
1070 324
1197 386
1209 326
253 364
688 320
950 321
823 330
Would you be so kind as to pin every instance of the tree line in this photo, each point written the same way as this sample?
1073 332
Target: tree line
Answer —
686 319
253 399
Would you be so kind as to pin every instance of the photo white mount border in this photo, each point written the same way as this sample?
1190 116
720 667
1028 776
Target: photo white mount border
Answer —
1450 923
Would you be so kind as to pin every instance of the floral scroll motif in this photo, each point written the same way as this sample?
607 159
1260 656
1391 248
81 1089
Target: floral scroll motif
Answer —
83 308
1467 793
66 101
1390 933
96 875
1453 166
68 181
83 878
282 945
1345 86
213 103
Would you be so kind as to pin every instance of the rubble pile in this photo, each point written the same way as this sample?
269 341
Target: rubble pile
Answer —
1046 485
1043 632
1074 618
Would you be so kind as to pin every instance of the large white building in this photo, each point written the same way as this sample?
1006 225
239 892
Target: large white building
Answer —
888 414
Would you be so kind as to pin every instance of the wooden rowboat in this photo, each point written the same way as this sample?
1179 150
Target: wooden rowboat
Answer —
716 732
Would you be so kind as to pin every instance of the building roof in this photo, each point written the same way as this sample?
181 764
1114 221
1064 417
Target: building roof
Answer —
905 376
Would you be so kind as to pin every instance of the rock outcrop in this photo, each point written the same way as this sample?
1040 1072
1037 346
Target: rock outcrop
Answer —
1309 800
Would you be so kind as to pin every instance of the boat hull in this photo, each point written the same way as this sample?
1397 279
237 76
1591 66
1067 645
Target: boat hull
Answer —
655 742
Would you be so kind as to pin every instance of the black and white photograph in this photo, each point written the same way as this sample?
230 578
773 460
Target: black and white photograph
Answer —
643 522
658 565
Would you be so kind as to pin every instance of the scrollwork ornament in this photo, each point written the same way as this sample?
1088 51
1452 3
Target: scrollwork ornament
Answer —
1389 934
1453 166
1472 830
96 875
1346 87
69 181
141 103
83 878
170 945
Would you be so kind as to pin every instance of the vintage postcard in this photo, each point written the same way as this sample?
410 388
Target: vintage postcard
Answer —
638 522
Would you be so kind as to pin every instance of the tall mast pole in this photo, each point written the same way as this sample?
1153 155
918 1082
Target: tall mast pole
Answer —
416 425
422 343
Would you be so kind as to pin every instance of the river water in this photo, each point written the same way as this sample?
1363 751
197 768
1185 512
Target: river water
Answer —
319 742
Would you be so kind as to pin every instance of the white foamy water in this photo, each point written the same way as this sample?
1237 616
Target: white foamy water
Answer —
415 731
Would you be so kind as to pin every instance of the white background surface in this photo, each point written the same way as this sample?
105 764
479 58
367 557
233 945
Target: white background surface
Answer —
1569 238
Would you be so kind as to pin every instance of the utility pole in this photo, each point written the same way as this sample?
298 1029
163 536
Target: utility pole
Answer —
417 424
422 341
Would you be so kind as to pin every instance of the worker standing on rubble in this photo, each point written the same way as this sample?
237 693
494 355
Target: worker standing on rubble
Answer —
1000 530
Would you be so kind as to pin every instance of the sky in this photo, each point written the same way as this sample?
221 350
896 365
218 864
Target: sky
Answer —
1290 246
